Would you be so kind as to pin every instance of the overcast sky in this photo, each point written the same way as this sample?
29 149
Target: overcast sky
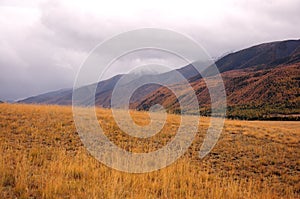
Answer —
43 43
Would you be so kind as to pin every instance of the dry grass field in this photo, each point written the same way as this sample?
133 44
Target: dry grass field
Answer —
41 156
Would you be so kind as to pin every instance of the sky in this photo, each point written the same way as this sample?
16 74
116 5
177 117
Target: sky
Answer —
43 43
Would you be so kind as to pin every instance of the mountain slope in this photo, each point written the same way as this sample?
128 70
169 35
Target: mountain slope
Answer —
105 88
251 93
236 68
269 54
64 97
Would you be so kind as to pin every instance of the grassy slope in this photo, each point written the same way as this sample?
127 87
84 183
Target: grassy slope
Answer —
252 93
41 156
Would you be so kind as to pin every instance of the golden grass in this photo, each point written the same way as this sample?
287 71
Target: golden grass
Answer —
41 156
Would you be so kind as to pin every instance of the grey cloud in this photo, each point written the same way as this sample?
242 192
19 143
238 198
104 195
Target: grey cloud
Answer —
46 54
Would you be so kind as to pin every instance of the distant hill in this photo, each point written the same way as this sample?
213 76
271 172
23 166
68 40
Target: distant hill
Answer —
260 81
64 96
105 88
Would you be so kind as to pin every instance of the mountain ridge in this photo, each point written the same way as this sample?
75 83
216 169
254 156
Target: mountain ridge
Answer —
262 57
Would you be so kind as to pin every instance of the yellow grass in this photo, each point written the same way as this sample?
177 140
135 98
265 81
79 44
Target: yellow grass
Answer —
41 156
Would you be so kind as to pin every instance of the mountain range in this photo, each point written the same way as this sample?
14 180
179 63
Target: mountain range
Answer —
261 82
